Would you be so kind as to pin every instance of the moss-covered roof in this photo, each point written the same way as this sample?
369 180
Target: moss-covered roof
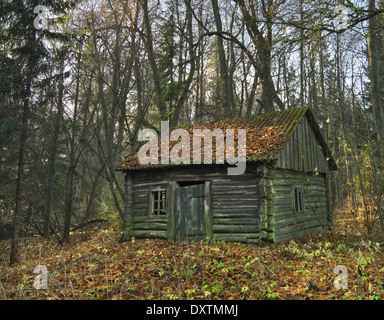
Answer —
267 134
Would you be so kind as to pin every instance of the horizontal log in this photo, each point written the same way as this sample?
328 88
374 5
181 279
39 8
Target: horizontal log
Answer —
238 182
236 220
293 228
148 219
224 211
283 227
245 238
139 212
150 182
288 236
139 205
253 228
234 190
286 218
287 207
235 204
140 193
235 197
149 234
149 226
292 180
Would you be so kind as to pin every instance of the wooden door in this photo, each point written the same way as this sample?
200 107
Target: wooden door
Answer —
190 213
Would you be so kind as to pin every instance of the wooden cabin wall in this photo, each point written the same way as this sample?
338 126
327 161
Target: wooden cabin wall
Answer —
234 206
280 222
236 209
142 225
303 152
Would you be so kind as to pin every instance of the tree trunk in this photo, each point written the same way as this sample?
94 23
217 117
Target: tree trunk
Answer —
302 87
127 209
192 57
68 215
224 81
53 152
14 256
375 48
152 61
263 45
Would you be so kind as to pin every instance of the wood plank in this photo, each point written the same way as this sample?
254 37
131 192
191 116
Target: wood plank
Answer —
140 212
305 145
146 218
246 238
288 155
140 205
171 205
235 204
228 228
235 190
308 146
149 234
236 220
300 136
292 235
149 226
238 182
235 197
208 214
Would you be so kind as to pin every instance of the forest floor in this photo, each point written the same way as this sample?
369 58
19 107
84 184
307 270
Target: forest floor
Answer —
103 268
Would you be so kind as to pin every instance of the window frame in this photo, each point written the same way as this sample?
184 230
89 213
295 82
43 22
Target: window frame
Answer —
158 203
298 199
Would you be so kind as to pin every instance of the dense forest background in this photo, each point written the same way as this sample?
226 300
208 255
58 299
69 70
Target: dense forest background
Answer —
79 79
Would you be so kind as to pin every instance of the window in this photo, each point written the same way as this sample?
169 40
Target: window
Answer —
298 199
159 203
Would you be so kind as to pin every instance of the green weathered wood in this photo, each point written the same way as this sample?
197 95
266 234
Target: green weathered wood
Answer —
232 228
190 213
140 212
282 222
236 204
149 234
243 190
303 142
208 214
147 219
171 206
295 234
149 226
246 238
236 220
238 213
234 197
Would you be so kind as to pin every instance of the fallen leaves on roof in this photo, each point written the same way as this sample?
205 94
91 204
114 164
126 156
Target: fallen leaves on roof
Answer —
262 143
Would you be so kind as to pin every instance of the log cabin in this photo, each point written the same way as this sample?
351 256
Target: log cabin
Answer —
282 194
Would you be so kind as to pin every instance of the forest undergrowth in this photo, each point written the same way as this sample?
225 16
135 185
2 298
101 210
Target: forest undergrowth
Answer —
103 268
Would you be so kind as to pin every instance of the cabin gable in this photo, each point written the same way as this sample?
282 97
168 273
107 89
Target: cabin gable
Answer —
303 152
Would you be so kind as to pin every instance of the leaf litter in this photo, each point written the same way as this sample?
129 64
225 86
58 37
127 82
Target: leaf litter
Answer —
103 268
